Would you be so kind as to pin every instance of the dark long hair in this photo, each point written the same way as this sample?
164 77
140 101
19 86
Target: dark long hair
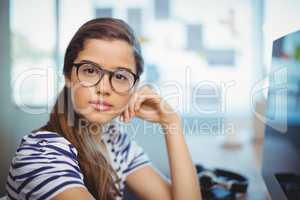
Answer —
98 174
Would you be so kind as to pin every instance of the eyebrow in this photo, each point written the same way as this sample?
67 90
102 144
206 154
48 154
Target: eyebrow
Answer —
118 67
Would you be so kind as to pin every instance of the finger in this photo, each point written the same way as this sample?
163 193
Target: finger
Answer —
127 117
129 113
139 103
122 117
150 98
131 109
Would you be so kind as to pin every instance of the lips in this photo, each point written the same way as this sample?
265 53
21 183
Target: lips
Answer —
100 105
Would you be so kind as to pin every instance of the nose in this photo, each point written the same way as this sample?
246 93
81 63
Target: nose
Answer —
104 87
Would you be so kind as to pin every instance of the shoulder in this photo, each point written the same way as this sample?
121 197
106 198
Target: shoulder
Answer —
128 154
44 164
42 141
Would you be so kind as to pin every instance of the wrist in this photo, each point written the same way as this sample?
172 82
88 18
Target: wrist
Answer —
171 124
170 118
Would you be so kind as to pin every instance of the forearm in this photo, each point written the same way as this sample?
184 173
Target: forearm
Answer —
184 179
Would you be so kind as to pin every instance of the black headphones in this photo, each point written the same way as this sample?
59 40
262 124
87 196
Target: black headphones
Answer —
219 184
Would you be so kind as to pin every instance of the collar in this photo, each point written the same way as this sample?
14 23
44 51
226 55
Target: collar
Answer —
107 129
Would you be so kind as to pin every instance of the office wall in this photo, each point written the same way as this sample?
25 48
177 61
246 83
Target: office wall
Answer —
14 123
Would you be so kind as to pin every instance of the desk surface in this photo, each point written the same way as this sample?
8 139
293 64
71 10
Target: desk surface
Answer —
244 160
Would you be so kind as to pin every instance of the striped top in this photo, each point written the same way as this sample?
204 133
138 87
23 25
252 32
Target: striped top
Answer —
46 164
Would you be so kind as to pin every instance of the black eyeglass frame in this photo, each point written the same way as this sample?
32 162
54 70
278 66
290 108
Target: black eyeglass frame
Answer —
110 75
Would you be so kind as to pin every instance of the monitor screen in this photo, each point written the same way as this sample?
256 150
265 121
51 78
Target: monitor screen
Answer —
281 153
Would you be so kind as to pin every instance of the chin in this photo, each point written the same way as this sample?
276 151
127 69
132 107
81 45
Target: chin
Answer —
99 117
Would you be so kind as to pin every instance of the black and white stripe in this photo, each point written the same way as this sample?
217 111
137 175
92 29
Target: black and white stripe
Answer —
46 164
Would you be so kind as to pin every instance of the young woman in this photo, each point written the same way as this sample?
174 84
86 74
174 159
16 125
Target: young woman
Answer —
80 153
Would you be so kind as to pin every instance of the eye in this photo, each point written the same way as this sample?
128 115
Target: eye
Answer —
90 70
120 76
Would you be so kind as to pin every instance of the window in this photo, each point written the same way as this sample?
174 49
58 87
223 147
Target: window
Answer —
33 44
183 42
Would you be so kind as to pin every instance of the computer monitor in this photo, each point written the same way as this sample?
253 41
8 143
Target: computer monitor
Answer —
281 152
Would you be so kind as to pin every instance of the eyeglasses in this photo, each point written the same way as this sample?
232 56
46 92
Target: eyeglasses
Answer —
90 74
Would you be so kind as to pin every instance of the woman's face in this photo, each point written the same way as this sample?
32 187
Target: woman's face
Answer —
88 101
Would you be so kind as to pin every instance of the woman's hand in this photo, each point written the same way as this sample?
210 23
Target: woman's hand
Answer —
148 105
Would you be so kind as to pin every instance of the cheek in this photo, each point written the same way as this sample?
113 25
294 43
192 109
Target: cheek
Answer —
81 96
121 103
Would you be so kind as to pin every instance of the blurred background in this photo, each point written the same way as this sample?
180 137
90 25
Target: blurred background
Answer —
205 57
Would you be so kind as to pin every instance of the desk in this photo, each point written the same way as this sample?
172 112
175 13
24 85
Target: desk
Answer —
209 151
